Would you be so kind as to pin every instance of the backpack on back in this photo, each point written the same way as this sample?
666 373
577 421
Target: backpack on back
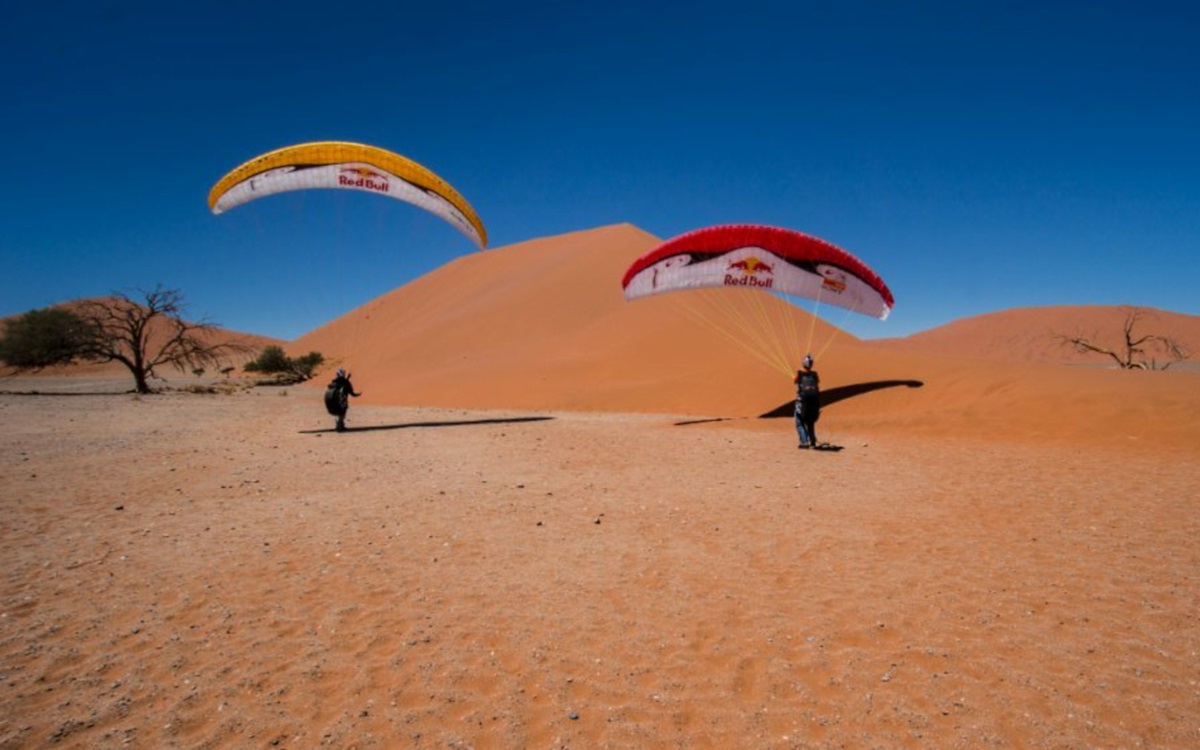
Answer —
336 398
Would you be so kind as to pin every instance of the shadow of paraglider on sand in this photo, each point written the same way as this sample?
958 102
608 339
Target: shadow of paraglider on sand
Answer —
828 396
414 425
841 393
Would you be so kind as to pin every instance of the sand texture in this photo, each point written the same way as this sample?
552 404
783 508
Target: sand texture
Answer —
557 521
224 572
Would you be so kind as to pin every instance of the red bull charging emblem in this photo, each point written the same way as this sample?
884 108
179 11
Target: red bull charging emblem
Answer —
833 285
750 271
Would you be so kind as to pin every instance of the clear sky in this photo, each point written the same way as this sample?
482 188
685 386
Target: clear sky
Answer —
979 156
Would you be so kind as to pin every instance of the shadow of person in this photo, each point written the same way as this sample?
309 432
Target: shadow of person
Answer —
413 425
828 447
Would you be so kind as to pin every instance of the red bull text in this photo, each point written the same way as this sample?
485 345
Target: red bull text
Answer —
752 272
367 179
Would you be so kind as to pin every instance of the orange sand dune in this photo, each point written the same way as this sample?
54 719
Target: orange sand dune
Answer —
543 325
1033 334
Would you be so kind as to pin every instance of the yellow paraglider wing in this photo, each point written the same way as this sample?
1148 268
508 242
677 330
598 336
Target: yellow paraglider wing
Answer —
346 166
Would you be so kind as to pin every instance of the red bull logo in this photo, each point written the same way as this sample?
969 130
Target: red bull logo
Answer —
833 285
364 178
750 271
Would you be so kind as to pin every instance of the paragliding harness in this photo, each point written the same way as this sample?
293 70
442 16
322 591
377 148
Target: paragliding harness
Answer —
806 385
337 397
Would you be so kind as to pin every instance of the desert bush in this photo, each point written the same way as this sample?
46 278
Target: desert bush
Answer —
43 338
273 360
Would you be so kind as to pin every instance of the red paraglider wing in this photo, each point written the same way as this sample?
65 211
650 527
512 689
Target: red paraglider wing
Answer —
760 257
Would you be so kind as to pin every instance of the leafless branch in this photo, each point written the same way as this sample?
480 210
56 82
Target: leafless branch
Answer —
1136 352
149 333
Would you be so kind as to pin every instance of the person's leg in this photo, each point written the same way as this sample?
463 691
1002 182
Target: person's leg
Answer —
800 429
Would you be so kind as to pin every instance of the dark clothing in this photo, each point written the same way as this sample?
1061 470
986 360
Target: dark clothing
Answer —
337 399
808 406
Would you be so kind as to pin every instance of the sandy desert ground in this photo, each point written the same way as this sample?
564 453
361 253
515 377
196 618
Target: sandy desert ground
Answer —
223 571
558 522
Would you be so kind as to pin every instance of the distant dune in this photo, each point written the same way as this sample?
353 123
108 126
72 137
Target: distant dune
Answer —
1033 334
543 325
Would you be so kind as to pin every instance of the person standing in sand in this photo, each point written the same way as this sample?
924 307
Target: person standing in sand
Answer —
337 397
808 402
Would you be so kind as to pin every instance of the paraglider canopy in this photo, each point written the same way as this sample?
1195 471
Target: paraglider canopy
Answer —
759 257
346 166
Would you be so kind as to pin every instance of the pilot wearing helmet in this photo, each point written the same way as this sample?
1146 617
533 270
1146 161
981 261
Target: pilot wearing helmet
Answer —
808 402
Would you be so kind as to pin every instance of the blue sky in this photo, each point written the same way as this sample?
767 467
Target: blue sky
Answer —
978 156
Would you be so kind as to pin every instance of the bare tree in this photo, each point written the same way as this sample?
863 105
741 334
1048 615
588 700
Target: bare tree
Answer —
1137 351
150 332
